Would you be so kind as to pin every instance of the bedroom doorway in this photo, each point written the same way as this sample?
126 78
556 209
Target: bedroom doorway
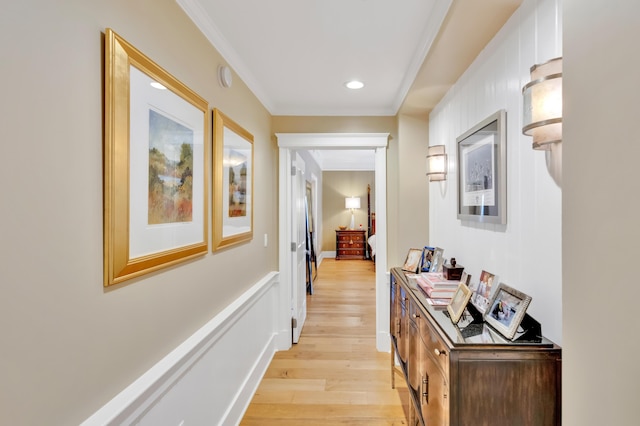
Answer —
288 143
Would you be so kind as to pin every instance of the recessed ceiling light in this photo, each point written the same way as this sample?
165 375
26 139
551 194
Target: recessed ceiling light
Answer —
354 84
158 85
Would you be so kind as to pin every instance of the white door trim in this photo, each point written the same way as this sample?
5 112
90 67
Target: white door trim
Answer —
291 141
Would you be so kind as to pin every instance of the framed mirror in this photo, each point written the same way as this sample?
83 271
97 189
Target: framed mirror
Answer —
232 182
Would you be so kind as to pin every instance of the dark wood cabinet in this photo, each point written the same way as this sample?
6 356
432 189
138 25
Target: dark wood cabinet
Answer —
350 244
459 379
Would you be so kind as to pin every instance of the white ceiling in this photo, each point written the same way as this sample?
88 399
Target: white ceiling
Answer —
345 159
296 55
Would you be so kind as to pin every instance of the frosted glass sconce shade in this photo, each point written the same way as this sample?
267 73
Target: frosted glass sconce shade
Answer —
436 163
542 99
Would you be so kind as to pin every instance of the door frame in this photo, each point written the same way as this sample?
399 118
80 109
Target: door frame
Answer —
299 258
288 142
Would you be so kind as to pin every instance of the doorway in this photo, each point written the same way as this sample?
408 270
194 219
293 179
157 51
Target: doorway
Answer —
288 143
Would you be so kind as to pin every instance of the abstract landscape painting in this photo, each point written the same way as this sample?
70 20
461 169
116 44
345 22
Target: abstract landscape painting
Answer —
170 170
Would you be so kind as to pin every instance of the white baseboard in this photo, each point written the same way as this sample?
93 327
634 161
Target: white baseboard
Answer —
212 376
329 254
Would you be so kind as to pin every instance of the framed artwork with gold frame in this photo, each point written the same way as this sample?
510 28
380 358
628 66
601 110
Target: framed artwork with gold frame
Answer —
155 166
232 182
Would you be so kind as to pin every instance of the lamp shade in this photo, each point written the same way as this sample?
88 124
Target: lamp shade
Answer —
352 203
436 163
542 109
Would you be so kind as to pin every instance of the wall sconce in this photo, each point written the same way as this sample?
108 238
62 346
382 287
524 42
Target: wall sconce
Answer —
543 104
437 163
352 203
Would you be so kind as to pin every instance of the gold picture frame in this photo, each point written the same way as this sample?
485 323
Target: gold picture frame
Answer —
232 182
412 262
458 302
155 166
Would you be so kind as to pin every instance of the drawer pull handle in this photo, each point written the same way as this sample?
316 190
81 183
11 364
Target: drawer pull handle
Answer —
416 316
438 352
425 388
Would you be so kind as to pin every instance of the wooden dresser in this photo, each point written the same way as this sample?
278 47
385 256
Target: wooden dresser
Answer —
350 244
459 378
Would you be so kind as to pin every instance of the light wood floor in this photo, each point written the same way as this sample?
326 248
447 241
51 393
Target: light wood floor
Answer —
334 375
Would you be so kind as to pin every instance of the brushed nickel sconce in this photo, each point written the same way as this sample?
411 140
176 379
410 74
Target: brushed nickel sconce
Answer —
542 110
437 163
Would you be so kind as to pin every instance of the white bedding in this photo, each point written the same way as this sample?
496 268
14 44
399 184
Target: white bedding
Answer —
372 244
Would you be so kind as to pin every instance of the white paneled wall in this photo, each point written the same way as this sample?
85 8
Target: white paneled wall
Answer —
526 252
211 377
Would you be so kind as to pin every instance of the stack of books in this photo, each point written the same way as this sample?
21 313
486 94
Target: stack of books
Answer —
435 286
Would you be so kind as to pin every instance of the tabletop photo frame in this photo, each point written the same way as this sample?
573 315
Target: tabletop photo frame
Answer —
482 291
437 261
412 262
506 310
458 302
427 256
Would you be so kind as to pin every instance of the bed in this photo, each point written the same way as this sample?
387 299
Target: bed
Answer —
371 227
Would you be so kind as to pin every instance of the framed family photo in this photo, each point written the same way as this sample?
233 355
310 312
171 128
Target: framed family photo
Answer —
412 262
482 171
232 182
482 291
155 166
458 302
427 256
465 279
437 260
506 310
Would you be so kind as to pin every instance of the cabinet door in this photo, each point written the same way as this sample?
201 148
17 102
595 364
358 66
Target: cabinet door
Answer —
394 316
434 398
415 343
403 335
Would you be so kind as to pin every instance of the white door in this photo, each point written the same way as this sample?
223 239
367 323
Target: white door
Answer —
299 256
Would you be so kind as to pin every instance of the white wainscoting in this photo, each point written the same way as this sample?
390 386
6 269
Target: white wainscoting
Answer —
211 377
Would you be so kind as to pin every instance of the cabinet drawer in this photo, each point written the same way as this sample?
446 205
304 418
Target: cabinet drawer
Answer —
348 246
351 238
346 252
435 347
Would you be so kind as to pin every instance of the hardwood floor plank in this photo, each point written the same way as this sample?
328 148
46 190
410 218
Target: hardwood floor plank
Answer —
334 375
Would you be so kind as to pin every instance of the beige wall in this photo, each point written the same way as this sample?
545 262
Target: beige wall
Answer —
386 124
303 124
336 187
600 205
412 227
407 186
68 345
